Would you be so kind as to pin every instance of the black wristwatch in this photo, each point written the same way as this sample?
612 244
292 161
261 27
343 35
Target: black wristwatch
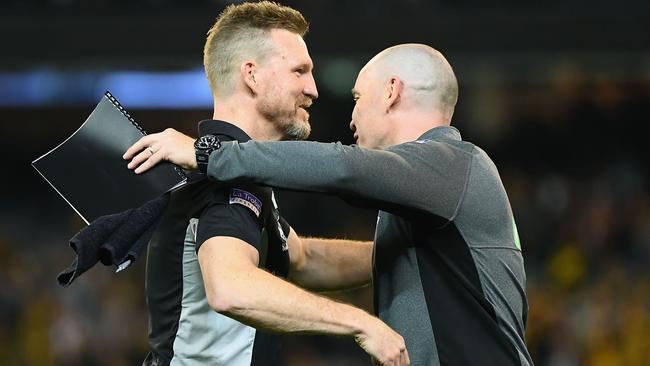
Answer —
204 146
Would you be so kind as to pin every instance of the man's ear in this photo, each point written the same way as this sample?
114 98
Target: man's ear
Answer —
247 71
393 93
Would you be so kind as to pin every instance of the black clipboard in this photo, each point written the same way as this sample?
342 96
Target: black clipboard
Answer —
88 171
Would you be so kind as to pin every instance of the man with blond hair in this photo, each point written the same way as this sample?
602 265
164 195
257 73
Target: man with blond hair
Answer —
448 272
217 264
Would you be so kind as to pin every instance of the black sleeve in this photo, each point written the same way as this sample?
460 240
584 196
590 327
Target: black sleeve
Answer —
225 218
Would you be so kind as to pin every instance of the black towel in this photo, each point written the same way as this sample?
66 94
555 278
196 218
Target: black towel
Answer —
116 239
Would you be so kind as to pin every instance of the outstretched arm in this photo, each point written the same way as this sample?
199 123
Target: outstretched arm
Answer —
427 177
410 176
236 287
329 264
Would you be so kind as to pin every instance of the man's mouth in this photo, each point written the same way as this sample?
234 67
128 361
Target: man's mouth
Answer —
302 113
305 104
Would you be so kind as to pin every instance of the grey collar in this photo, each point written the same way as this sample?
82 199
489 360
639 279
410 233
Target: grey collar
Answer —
441 133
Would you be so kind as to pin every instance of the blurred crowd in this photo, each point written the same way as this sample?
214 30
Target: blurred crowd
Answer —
579 184
572 156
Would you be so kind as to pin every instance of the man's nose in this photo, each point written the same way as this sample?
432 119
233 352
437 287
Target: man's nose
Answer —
310 88
352 126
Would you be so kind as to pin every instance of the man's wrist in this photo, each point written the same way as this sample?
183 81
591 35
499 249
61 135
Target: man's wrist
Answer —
360 322
203 147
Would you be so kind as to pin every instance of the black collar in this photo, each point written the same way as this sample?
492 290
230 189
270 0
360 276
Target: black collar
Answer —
216 127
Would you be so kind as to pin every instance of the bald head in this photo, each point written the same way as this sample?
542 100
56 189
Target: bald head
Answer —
429 81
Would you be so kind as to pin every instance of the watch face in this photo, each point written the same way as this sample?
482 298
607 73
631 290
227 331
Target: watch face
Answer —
206 142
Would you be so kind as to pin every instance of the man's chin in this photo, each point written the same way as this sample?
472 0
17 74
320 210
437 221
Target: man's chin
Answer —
298 130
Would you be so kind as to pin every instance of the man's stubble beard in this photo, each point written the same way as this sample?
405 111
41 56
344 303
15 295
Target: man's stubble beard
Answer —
296 130
285 120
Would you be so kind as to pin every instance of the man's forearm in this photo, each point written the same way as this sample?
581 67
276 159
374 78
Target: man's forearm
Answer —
266 302
269 303
319 167
333 264
236 287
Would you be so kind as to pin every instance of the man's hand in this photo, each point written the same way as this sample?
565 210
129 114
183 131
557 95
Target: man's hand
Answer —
169 145
384 345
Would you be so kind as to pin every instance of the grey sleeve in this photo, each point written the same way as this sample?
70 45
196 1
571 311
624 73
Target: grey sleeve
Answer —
428 176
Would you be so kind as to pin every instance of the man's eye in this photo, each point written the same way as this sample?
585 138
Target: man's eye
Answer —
355 98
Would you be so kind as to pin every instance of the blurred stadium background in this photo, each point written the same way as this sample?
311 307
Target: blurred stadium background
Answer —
557 92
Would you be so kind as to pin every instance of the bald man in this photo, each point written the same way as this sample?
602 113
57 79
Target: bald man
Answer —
447 270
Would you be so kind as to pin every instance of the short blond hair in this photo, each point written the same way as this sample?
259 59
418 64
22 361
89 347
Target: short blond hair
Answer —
241 32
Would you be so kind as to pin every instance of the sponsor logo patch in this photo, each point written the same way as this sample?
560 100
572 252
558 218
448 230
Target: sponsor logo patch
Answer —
247 199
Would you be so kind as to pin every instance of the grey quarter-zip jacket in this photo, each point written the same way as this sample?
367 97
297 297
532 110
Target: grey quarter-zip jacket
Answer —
448 272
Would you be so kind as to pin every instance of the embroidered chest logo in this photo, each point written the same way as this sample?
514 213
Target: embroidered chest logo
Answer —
246 199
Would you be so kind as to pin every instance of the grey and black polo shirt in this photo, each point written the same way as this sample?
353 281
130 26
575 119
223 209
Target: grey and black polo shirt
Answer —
448 273
183 329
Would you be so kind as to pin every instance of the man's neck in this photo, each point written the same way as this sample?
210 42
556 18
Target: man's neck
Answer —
244 115
410 128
